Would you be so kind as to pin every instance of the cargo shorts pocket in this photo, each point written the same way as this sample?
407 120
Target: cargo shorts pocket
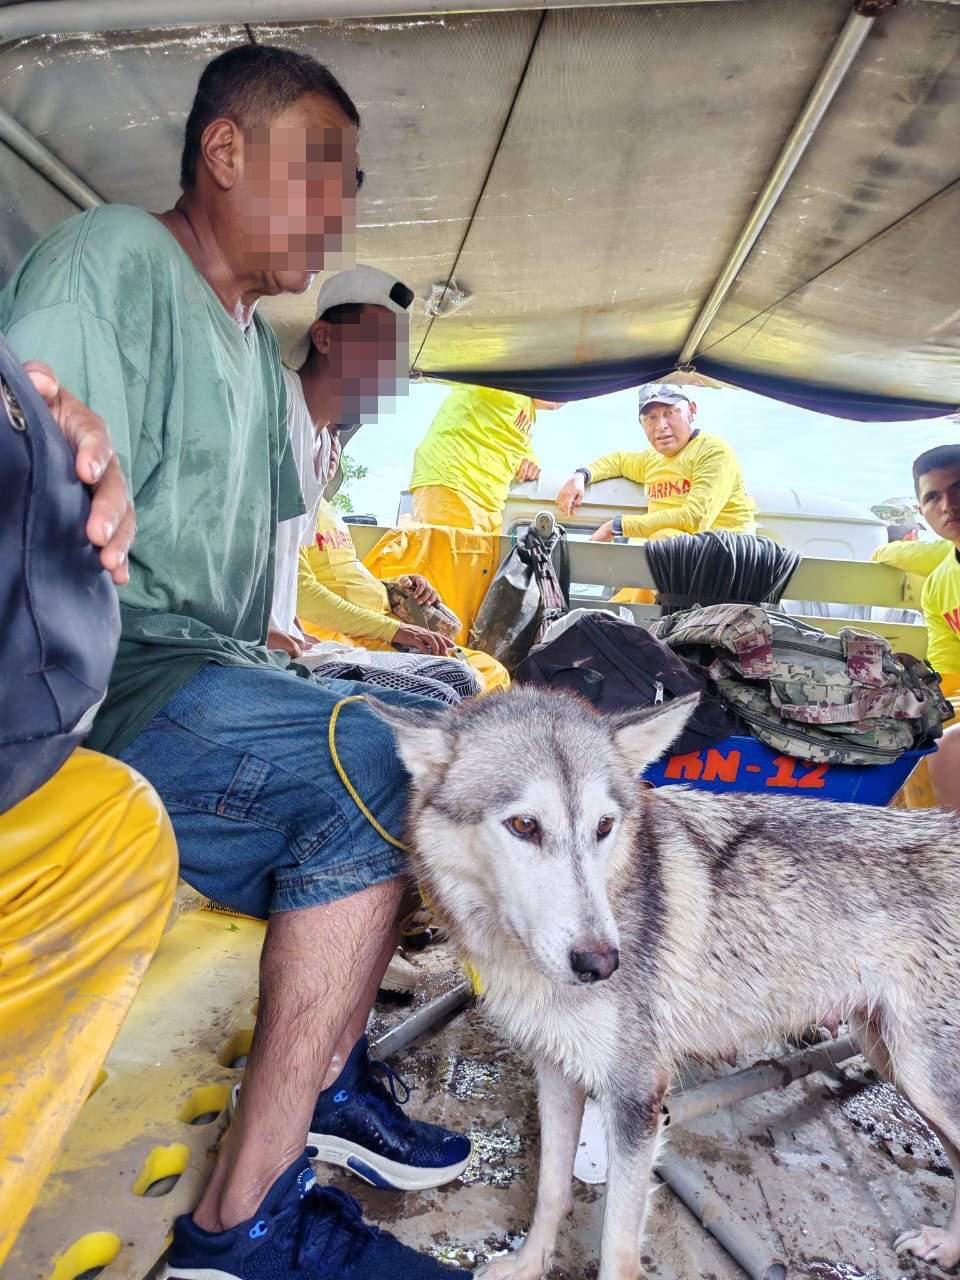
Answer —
263 795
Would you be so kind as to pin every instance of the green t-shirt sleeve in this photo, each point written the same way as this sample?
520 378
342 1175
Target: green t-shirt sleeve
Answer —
82 350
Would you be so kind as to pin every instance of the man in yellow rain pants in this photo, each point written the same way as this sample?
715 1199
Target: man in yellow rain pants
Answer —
693 480
87 874
477 446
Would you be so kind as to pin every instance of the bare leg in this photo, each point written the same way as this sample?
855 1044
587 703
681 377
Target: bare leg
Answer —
357 1024
561 1114
633 1127
945 770
318 980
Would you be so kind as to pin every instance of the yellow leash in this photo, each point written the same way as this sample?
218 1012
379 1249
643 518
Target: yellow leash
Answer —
381 831
344 777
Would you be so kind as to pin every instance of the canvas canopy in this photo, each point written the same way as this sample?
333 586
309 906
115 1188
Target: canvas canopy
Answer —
585 176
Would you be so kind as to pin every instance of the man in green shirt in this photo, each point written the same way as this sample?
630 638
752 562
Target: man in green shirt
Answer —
152 321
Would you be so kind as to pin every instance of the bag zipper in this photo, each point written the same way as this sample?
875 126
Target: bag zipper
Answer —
797 647
752 718
622 664
12 405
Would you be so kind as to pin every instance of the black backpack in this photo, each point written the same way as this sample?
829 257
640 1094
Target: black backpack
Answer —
617 665
59 610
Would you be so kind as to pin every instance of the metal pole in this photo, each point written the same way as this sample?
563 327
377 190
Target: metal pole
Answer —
46 163
431 1015
717 1095
754 1255
841 59
68 17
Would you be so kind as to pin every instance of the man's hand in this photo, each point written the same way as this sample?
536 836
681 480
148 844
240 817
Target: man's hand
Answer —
112 522
604 533
527 470
286 644
423 641
336 449
571 495
421 589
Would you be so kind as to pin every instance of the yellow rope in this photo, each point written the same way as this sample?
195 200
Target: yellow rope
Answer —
351 789
474 977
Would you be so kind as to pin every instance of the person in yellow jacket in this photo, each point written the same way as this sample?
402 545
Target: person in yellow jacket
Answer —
920 558
88 869
338 598
477 446
936 475
693 480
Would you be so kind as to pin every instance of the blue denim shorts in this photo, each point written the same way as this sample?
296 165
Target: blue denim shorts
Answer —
241 760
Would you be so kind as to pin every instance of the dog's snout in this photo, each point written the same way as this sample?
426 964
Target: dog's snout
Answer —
593 964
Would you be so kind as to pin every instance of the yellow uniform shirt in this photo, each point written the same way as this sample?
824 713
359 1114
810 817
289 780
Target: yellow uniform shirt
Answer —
475 444
699 488
335 589
941 612
920 558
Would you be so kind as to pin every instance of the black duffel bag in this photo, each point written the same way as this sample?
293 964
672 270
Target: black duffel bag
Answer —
530 590
617 665
61 619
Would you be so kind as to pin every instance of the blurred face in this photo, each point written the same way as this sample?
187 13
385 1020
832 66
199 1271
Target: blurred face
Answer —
367 361
298 193
668 427
940 502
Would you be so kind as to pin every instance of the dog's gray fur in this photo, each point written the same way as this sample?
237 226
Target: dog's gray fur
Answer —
737 918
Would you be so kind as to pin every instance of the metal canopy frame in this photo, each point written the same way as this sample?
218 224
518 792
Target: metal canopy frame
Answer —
40 158
842 57
26 19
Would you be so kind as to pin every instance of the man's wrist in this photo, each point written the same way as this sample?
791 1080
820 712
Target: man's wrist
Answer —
583 471
617 524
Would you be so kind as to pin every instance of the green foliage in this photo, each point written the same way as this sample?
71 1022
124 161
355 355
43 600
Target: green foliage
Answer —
351 471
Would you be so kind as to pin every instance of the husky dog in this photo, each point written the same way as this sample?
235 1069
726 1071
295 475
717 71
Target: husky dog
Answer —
619 931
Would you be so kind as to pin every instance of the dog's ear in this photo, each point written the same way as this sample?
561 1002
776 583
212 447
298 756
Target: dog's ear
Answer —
642 736
421 733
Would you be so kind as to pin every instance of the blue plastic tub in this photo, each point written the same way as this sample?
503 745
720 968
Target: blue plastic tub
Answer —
746 764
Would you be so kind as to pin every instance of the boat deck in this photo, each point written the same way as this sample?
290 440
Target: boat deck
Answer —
827 1171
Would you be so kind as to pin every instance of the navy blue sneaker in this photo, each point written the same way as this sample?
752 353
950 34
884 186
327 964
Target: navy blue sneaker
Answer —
302 1229
359 1123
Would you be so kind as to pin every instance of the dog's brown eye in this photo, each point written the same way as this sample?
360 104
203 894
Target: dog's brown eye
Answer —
524 826
604 827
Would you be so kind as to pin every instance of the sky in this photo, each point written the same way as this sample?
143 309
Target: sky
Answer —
779 446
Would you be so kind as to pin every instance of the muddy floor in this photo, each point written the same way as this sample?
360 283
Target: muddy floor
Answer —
827 1172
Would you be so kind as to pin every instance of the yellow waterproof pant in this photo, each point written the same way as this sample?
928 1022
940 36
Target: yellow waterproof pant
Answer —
459 563
437 505
88 868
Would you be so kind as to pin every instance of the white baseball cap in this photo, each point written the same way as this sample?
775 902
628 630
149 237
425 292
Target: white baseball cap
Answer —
359 285
365 285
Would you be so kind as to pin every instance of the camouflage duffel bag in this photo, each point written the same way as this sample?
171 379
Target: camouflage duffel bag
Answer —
846 699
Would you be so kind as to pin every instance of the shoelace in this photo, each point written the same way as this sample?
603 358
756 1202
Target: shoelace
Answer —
388 1093
344 1239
